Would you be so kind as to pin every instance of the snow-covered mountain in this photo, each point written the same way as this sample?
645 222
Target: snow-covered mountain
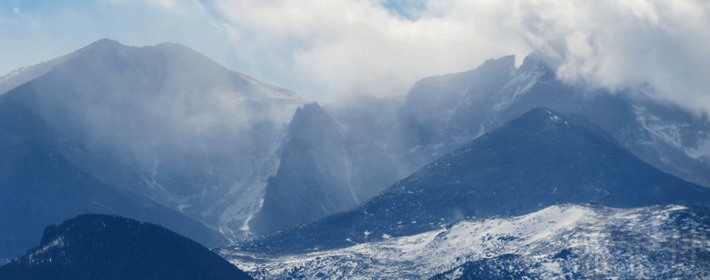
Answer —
163 122
558 242
163 134
441 113
112 247
539 159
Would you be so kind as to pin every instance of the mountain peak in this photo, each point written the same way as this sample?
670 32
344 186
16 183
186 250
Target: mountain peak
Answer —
311 114
504 61
497 66
306 172
104 43
312 107
544 115
103 47
545 121
539 61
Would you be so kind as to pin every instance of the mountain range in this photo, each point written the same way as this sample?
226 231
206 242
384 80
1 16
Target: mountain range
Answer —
441 113
540 159
361 186
156 133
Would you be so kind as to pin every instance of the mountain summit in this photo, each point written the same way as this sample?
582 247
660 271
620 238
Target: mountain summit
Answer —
539 159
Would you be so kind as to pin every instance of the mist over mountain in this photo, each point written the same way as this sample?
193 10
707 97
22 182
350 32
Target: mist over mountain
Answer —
440 113
164 134
112 247
539 159
668 136
324 169
39 186
166 123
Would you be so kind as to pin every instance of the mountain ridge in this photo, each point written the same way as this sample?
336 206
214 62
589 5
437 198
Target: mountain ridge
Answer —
578 241
93 246
539 159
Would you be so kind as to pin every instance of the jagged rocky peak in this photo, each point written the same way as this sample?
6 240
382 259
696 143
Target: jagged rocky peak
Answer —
104 43
311 179
324 169
504 63
311 119
491 67
539 60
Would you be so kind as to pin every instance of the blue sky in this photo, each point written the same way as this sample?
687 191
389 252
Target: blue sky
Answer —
35 31
327 49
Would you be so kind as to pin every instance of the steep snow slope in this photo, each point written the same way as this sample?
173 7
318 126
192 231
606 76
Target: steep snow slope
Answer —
574 241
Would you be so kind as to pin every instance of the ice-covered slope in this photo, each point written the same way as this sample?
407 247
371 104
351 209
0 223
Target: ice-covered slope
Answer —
164 122
574 241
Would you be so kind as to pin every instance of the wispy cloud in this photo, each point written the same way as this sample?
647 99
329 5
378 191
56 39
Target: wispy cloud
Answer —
345 47
325 49
618 44
22 18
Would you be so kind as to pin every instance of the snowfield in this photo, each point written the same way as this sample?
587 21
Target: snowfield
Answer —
558 241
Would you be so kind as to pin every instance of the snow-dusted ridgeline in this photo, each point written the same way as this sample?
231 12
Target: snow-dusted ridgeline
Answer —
558 241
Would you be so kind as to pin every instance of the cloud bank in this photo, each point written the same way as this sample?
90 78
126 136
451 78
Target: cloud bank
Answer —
327 49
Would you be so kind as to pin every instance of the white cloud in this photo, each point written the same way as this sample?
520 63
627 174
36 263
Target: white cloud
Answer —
24 18
341 47
628 43
328 48
325 49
